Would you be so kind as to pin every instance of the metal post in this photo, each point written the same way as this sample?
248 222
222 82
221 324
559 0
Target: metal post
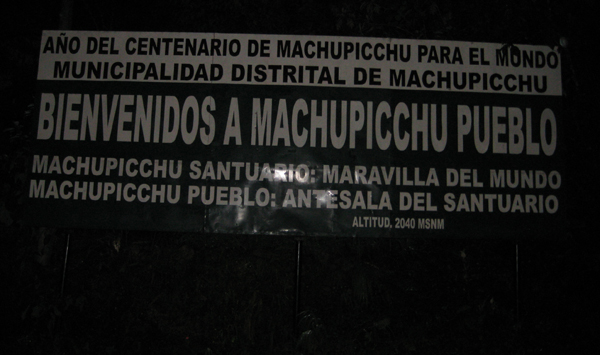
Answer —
62 286
517 276
297 295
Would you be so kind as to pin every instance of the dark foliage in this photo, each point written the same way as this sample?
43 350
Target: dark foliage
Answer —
171 293
157 293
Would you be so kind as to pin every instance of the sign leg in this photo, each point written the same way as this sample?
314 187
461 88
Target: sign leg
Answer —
297 294
62 286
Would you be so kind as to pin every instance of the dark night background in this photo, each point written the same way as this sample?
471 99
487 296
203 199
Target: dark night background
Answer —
175 293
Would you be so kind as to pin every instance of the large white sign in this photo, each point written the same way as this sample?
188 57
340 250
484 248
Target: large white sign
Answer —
239 133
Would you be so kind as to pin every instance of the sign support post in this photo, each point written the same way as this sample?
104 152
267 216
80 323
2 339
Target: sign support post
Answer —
297 294
517 276
62 286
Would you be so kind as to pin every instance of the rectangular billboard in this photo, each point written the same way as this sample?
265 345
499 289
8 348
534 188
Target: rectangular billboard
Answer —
301 135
